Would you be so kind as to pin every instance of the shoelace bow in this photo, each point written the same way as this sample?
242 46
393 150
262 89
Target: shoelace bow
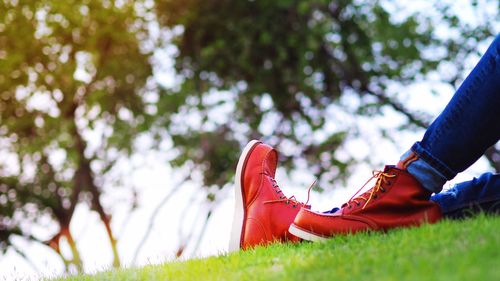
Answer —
285 199
382 178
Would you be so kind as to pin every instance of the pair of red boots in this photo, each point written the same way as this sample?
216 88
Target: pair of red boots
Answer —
263 214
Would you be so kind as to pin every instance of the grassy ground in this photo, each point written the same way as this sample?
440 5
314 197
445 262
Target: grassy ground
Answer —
450 250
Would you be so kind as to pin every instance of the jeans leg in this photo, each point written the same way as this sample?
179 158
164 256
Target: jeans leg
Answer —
468 125
467 198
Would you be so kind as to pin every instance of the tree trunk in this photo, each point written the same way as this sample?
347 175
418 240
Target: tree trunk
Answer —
77 261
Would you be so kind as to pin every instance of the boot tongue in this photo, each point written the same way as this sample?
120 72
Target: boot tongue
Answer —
387 168
400 165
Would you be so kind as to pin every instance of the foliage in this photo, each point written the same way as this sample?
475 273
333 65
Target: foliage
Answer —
288 63
66 68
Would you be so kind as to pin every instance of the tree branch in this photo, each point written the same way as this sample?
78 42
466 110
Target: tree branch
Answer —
154 215
202 231
25 257
76 260
396 105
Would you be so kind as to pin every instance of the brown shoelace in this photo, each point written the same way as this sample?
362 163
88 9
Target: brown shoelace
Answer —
382 178
285 199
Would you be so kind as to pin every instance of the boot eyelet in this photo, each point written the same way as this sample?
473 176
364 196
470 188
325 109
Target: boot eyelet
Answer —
358 204
350 207
294 206
375 196
382 190
389 183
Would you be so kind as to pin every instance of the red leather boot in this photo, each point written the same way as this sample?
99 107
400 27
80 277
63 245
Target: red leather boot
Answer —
262 213
396 200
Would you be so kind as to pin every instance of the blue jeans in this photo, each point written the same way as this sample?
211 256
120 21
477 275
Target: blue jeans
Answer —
467 198
469 124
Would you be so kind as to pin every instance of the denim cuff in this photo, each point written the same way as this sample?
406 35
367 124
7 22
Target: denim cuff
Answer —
439 166
429 171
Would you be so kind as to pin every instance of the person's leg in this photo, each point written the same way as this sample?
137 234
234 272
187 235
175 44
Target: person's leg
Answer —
469 124
467 198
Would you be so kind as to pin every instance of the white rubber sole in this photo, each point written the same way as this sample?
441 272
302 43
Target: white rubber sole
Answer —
239 208
304 234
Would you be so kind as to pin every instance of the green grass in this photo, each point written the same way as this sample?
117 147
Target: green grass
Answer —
449 250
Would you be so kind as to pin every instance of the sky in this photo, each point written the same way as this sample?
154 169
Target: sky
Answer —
154 179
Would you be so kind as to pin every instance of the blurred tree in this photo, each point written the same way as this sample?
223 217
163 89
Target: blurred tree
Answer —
73 70
66 68
275 68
